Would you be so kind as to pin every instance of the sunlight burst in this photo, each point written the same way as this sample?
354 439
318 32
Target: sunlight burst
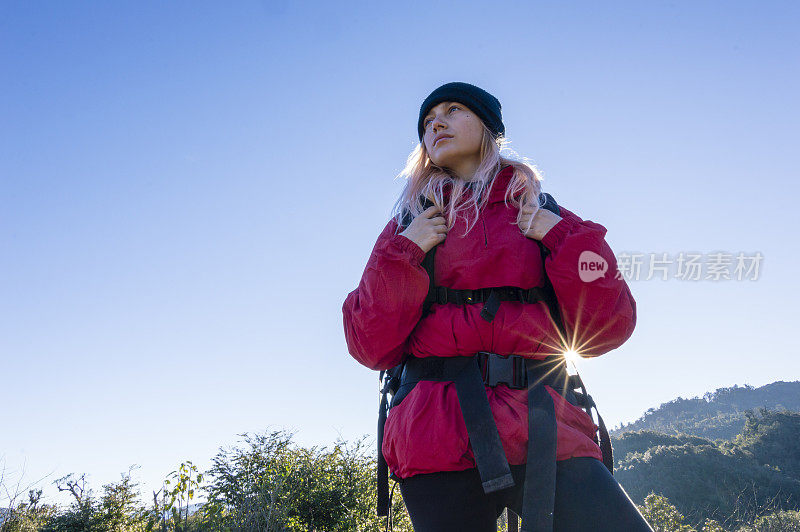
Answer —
572 356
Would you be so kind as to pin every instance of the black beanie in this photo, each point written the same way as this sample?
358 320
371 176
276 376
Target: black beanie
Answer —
483 104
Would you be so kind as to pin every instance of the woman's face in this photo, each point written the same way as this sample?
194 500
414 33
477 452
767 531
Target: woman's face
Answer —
462 133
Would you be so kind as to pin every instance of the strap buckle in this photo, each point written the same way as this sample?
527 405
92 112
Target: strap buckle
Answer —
496 369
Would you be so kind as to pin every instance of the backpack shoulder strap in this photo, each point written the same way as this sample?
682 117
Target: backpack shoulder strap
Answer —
552 303
427 261
549 203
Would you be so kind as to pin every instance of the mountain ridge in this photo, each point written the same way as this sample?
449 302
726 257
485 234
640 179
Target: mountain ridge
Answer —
716 415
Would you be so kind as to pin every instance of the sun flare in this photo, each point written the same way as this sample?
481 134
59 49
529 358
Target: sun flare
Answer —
572 356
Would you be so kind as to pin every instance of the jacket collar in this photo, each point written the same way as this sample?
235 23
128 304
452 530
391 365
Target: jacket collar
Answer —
497 186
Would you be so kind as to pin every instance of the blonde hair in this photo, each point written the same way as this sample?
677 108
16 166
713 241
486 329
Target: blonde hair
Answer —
424 179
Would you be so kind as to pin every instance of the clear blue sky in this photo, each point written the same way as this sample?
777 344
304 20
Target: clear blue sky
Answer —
189 190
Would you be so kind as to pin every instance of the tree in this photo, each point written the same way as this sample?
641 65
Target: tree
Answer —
119 509
80 516
787 521
27 516
272 484
185 480
662 515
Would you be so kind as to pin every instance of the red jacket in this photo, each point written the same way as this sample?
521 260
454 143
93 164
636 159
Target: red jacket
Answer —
382 322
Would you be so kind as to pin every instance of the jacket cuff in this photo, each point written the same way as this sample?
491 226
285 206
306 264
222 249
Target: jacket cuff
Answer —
555 236
407 245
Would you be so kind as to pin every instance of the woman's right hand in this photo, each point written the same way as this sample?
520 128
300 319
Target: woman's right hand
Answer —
427 230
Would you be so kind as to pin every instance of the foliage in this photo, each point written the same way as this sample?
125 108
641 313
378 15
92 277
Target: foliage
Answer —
662 515
28 516
710 525
81 515
685 483
771 438
641 441
185 480
731 481
117 510
271 484
775 522
705 482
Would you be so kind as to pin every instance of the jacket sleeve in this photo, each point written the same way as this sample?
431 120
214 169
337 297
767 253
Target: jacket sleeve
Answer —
380 314
599 314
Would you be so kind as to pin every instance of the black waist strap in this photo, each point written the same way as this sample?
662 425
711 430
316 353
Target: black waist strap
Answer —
494 369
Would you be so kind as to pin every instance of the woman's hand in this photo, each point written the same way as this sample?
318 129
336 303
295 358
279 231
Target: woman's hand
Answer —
543 221
426 231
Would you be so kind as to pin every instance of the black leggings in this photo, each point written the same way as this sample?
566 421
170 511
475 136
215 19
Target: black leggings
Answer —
588 498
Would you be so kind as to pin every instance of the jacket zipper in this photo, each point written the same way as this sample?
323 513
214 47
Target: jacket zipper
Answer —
485 238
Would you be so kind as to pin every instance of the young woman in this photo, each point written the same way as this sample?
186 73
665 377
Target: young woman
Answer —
492 237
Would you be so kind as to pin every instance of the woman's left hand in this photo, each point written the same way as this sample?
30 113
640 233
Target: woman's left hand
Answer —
543 221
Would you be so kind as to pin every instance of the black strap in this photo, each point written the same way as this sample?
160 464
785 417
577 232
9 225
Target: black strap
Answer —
484 438
586 402
383 468
605 444
540 471
443 294
390 384
427 262
491 306
550 203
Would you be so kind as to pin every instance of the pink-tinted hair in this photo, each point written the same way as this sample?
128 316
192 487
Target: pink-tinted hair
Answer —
427 180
